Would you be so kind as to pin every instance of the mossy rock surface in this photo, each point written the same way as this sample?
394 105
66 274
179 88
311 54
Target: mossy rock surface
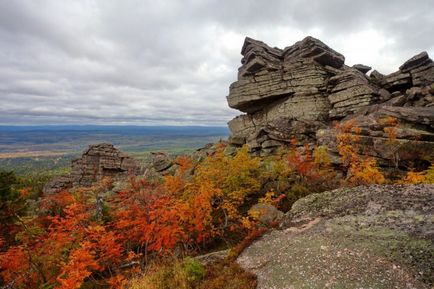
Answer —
364 237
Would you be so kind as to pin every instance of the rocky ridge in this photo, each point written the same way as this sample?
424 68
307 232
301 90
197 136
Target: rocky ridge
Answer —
104 160
299 91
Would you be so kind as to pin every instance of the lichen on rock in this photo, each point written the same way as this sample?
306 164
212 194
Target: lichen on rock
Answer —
363 237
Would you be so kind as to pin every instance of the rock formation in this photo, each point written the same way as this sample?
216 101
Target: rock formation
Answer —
363 237
98 161
300 90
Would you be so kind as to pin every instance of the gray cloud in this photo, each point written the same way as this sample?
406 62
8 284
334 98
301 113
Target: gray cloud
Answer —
171 62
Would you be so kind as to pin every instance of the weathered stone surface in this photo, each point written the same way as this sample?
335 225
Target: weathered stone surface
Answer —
376 76
161 161
397 81
302 89
97 162
351 91
423 75
363 237
362 68
269 75
265 213
237 140
313 48
58 184
414 62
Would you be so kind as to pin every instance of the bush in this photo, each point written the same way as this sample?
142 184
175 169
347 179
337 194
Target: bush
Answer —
180 274
193 269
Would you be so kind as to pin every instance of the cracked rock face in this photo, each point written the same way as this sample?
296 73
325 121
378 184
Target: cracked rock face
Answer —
97 162
299 90
363 237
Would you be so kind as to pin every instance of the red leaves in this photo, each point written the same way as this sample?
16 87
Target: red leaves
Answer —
13 264
69 246
301 161
80 265
151 219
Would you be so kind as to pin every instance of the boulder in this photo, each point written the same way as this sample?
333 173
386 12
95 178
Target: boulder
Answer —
302 89
98 161
161 161
363 237
265 213
362 68
415 62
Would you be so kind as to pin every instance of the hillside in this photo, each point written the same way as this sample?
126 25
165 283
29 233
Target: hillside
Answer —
326 181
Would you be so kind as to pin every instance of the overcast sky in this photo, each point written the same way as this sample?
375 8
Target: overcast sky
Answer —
171 62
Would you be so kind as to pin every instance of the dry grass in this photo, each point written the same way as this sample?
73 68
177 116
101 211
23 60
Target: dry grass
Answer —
31 154
222 274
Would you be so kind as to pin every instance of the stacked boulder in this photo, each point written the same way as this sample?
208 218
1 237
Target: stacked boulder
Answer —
97 162
299 91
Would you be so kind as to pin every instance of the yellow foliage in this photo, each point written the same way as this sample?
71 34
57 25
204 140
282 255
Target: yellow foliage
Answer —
413 177
268 198
425 177
361 170
365 172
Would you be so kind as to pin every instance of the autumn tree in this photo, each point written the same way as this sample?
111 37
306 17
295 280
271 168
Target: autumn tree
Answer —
361 169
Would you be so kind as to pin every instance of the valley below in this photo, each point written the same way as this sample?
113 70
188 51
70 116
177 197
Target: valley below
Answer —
30 149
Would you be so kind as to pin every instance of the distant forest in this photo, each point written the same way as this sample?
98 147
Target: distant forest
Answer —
25 149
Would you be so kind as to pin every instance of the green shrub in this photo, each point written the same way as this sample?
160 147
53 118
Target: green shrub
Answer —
193 269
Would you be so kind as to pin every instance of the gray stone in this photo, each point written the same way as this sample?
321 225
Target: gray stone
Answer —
294 92
414 62
266 213
98 161
161 161
237 140
362 68
324 233
397 81
376 76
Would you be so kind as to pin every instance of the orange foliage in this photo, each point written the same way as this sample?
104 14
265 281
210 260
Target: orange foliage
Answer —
175 184
14 265
413 177
67 245
79 266
310 169
60 251
361 170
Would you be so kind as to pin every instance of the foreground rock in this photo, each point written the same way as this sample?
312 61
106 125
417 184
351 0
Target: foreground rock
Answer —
365 237
297 91
97 162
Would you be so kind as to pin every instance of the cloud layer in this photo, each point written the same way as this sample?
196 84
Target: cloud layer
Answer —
171 62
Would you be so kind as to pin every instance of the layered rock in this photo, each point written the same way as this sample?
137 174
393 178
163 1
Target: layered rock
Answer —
302 89
97 162
393 135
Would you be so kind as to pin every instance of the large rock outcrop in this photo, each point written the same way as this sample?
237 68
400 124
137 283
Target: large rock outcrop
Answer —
304 88
97 162
364 237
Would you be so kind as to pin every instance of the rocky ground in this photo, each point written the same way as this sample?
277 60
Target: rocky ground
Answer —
366 237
